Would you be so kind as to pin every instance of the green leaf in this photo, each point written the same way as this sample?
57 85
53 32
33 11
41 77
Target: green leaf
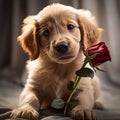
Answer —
70 85
74 102
58 103
90 63
85 72
86 53
92 56
100 69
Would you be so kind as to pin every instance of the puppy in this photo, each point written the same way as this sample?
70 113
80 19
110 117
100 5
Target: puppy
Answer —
54 39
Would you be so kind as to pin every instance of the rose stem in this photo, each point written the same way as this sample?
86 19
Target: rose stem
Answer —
77 80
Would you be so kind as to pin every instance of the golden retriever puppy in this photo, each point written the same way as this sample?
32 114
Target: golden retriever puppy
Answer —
54 39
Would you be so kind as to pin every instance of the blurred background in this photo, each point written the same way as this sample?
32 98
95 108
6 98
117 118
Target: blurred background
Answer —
13 59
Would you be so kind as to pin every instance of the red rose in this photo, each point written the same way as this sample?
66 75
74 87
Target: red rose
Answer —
102 53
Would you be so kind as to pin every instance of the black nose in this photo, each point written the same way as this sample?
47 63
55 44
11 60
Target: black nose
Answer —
62 47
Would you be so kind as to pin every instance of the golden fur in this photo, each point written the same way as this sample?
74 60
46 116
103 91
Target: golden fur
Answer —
49 70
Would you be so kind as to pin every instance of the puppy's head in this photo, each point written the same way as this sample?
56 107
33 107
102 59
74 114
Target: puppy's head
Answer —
57 32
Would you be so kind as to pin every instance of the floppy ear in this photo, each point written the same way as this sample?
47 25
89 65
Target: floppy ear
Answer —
90 32
29 39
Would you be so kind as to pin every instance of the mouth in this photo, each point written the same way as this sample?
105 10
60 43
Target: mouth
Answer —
65 57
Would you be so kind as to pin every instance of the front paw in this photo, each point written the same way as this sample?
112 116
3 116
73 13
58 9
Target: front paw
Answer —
26 111
81 113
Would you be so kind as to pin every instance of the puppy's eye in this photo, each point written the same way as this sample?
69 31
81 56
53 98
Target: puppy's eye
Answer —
46 32
70 27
